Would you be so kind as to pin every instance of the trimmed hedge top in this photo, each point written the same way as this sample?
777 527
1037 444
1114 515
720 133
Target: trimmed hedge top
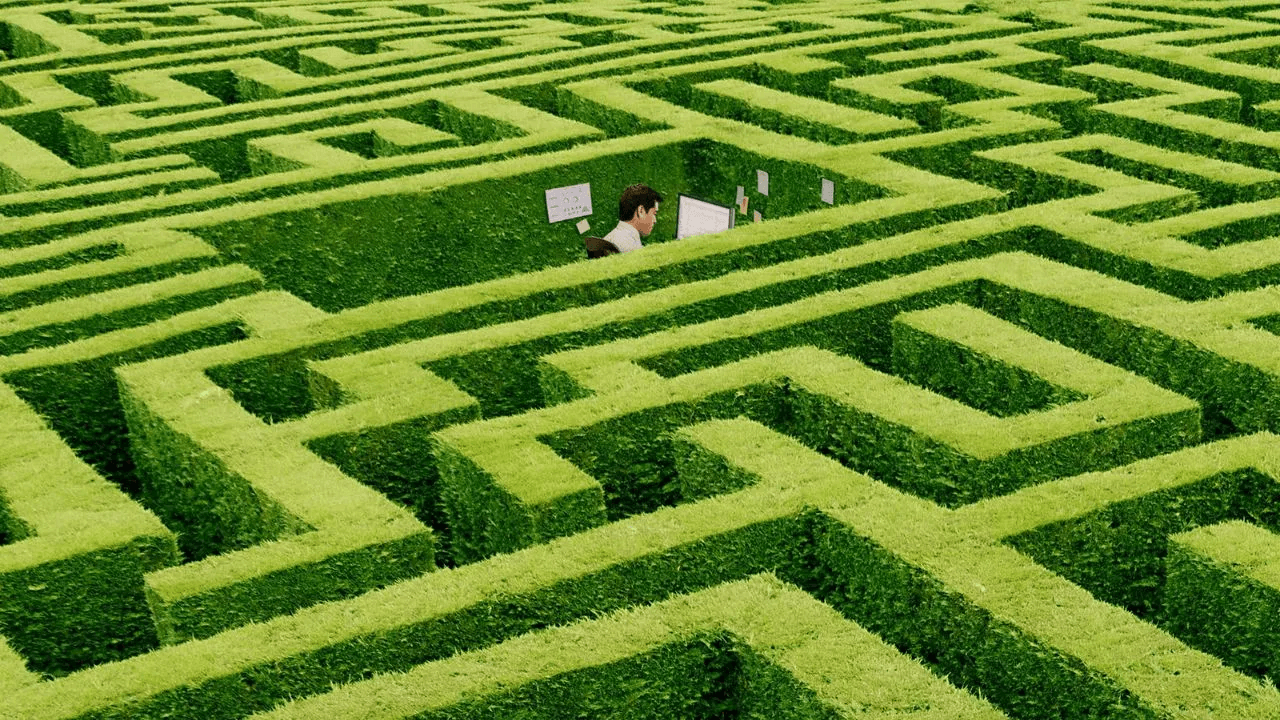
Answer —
307 411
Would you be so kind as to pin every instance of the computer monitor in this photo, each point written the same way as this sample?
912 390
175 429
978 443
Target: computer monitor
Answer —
700 217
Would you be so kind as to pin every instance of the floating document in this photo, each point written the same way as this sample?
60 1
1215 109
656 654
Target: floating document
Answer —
758 216
762 182
570 201
828 192
583 226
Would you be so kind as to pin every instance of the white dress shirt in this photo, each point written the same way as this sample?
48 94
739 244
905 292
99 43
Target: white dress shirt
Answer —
625 236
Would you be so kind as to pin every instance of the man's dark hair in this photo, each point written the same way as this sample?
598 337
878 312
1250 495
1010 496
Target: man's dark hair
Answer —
637 196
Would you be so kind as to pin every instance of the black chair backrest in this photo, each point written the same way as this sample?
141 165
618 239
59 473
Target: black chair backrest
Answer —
599 247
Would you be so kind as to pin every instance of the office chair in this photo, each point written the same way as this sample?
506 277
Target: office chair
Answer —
598 247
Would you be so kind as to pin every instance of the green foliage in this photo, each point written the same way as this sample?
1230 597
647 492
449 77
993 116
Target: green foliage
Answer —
387 443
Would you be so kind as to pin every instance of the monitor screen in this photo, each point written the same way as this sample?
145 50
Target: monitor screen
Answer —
699 217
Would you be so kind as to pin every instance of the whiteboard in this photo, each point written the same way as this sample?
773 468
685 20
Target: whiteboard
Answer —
699 217
570 201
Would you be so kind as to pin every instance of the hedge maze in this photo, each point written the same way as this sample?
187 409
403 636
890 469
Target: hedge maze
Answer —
306 411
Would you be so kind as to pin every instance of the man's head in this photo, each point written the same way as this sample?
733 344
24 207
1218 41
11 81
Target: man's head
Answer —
639 206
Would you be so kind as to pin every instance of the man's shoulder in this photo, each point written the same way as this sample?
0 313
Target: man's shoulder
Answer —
622 239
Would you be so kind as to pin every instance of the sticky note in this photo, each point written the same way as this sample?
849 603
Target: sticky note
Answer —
828 192
762 182
758 218
737 199
583 226
742 205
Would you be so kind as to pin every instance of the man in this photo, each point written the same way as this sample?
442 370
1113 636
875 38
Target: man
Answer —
637 211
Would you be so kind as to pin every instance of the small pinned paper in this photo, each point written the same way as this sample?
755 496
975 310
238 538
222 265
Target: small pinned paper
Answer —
583 226
762 182
742 204
568 202
828 192
758 217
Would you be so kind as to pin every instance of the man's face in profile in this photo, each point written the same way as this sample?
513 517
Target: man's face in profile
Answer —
644 221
